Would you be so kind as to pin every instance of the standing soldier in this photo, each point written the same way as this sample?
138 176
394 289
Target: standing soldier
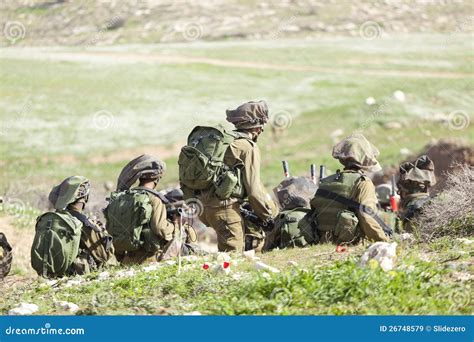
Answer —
414 182
222 169
345 204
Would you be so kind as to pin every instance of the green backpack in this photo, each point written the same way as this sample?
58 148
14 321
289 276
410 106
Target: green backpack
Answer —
296 228
201 163
128 216
56 243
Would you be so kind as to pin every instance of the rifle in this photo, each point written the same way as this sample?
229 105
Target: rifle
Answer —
322 171
286 170
248 215
312 171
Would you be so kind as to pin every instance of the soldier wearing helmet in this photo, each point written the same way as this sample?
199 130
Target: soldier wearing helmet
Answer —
233 234
414 182
345 204
149 225
67 241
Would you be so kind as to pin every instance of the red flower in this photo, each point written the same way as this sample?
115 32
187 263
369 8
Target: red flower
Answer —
205 266
226 264
341 249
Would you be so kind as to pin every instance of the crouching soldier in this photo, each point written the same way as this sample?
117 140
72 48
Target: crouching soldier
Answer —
414 183
137 218
345 204
293 226
222 170
66 241
6 256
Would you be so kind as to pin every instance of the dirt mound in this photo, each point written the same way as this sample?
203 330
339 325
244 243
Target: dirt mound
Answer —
448 156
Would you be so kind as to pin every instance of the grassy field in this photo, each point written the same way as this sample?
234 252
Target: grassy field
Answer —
67 111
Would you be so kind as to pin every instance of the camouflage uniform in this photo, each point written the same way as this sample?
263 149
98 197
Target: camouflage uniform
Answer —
146 168
224 216
414 182
358 156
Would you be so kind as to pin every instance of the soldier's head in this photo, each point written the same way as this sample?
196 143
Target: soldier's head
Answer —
416 177
146 169
357 153
72 193
152 173
249 117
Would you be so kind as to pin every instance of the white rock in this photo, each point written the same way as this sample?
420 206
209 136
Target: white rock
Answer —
250 255
405 152
370 101
150 268
71 307
103 275
73 282
399 95
383 252
393 125
406 237
125 274
337 133
24 309
170 262
262 266
293 263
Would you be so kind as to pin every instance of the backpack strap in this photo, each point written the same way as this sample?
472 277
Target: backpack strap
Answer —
354 205
154 192
84 219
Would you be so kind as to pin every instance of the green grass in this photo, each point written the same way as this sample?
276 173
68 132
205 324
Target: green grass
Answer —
322 283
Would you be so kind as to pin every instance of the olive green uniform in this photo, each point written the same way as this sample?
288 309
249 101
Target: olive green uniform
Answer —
224 216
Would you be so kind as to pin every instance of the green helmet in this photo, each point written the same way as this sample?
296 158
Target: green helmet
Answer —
249 115
383 192
69 191
357 152
417 176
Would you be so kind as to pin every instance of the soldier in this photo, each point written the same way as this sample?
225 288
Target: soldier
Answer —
66 241
237 179
345 205
136 216
293 226
6 256
414 183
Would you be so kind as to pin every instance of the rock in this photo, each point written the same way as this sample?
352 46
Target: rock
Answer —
24 309
370 101
73 282
250 255
293 263
393 125
103 275
262 266
399 95
383 253
407 237
71 307
405 152
125 274
150 268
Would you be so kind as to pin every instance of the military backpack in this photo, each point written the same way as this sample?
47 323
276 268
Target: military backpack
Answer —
202 167
56 243
296 228
128 216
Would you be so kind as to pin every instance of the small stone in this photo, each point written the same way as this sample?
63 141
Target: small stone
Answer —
293 263
393 125
103 275
399 95
150 268
405 152
71 307
370 101
24 309
262 266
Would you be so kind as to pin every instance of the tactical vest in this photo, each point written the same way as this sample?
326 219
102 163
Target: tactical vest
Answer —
334 220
